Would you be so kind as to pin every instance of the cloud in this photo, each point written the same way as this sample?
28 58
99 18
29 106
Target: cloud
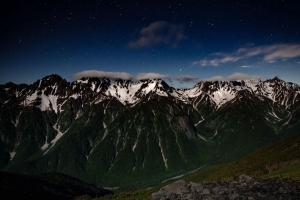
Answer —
121 75
215 78
95 73
159 32
270 53
241 76
283 52
245 66
187 79
151 75
217 62
233 77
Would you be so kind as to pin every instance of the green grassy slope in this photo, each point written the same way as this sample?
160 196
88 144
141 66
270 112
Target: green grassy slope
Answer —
280 160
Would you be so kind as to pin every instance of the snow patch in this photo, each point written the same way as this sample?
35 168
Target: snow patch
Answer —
45 146
274 115
162 153
214 134
137 138
201 137
199 121
130 93
222 96
12 155
191 93
81 81
252 84
105 134
57 137
48 102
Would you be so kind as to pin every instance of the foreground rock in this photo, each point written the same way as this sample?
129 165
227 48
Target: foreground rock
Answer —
245 187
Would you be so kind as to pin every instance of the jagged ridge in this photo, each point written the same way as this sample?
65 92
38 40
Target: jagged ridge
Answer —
146 129
47 90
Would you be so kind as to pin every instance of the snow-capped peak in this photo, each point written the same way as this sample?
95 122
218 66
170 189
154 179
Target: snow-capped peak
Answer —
52 92
128 92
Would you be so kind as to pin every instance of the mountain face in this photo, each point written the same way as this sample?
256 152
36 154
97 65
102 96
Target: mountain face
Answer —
122 132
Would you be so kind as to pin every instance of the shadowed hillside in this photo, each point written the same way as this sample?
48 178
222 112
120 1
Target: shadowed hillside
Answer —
46 186
279 160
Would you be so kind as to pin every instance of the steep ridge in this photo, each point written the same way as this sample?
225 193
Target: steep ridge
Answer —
119 131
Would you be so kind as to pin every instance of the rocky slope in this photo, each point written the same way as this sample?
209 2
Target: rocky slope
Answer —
119 132
244 187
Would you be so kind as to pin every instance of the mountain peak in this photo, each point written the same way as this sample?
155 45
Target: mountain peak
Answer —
276 79
122 82
130 92
52 77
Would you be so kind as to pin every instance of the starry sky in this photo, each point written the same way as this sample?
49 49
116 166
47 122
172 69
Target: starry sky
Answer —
181 42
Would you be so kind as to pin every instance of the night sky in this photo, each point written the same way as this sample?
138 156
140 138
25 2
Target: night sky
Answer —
182 42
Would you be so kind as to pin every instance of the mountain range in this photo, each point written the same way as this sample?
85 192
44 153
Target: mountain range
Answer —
128 133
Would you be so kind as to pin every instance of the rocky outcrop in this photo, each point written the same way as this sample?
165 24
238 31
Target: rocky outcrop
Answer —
245 188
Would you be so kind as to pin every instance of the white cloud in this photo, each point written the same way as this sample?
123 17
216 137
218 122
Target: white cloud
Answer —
217 61
241 76
215 78
245 66
283 51
95 73
187 79
151 75
233 77
121 75
270 53
159 32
